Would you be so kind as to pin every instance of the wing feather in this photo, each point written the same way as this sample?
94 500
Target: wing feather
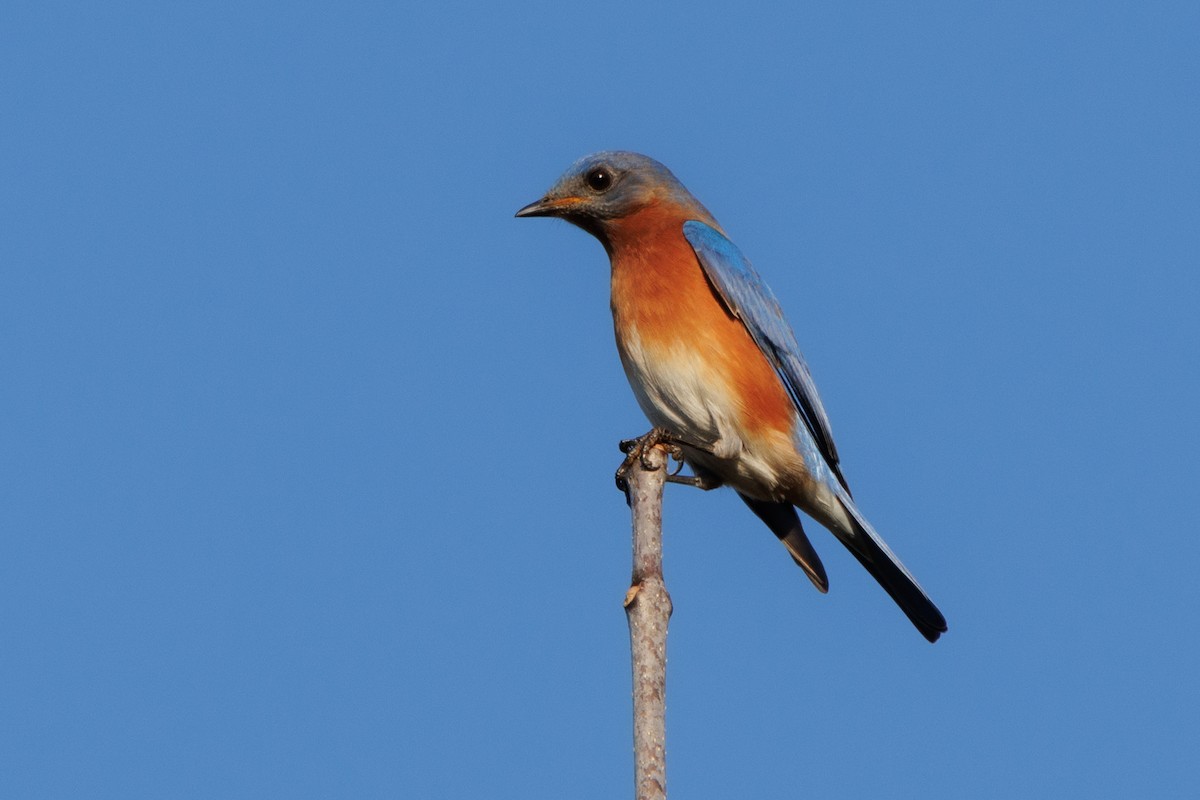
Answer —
751 301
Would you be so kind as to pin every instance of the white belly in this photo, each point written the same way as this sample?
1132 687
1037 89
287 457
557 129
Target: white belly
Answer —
678 391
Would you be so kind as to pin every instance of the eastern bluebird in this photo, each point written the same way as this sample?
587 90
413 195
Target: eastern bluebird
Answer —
715 365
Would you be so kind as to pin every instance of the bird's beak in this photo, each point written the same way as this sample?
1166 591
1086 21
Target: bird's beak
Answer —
550 207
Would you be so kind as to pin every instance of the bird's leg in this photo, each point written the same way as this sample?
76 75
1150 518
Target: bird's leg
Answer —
637 448
698 481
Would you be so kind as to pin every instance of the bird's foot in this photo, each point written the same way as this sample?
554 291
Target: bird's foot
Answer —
636 449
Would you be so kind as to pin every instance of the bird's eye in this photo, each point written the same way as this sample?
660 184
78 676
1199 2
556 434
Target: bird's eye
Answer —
599 179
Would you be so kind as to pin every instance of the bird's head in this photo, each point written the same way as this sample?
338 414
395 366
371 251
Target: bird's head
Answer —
606 187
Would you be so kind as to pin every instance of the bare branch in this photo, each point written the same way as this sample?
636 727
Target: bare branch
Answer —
648 608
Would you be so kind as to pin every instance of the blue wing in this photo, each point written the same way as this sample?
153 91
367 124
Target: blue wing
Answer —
750 300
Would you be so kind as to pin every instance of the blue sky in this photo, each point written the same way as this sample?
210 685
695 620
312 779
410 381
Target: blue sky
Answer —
306 487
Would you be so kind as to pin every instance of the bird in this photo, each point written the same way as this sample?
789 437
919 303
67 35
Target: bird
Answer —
716 367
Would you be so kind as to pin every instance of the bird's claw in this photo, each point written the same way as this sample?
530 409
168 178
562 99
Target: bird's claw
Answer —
636 449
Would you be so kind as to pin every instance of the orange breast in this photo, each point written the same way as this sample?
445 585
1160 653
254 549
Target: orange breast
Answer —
661 296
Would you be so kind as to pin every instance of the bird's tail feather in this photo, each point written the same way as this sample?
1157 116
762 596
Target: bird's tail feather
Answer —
885 568
783 521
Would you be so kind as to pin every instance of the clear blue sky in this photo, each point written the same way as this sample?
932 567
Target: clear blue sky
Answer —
306 445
